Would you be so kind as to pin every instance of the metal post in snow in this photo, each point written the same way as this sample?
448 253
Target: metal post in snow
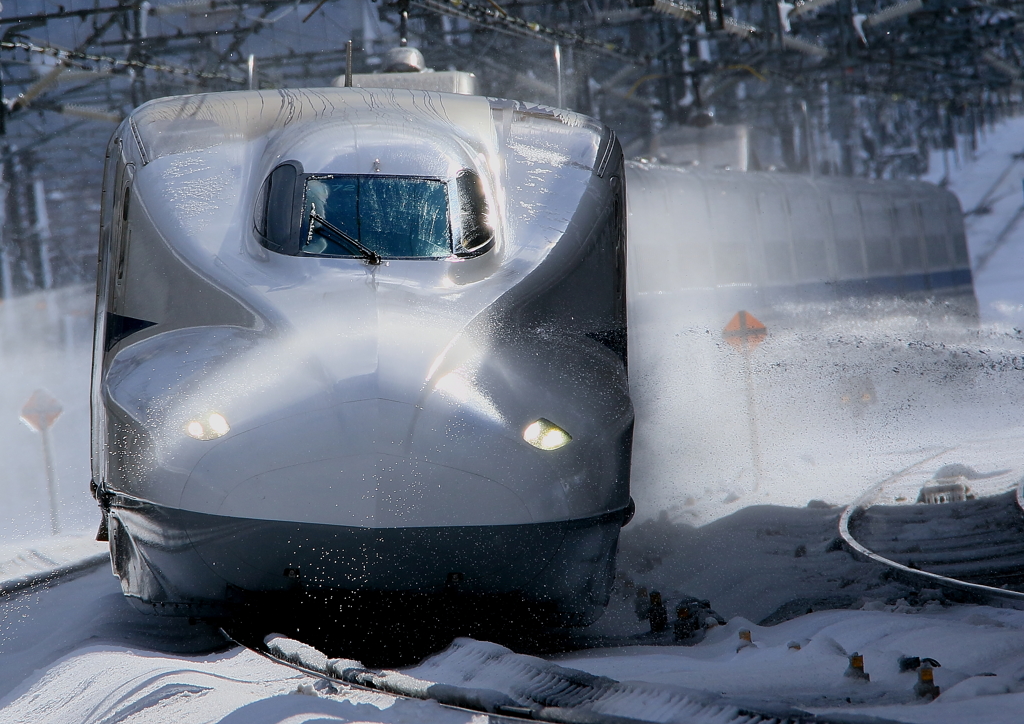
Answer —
42 229
39 413
51 480
755 438
744 332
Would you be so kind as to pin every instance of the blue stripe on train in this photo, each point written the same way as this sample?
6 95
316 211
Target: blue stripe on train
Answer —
928 281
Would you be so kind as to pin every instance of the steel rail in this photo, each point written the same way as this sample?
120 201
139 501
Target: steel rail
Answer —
862 551
477 701
364 680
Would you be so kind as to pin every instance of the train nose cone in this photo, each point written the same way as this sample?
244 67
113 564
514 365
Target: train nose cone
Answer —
350 462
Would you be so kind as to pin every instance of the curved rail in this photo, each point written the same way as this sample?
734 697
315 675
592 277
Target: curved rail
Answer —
914 573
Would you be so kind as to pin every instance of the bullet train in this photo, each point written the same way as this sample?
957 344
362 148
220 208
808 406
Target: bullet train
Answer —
707 243
361 340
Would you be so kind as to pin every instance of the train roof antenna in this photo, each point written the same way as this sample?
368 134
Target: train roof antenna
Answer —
403 24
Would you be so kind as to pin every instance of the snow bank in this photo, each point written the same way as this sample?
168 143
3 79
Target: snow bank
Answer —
538 684
26 559
980 649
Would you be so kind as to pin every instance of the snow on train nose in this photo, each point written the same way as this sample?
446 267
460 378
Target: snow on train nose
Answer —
344 464
324 481
364 450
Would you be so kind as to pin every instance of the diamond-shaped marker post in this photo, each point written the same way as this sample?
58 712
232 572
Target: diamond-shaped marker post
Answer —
744 332
39 413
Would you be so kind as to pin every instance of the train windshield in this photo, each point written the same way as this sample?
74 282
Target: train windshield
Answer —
375 217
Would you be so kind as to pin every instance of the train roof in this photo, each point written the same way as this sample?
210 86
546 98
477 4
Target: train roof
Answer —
676 175
180 124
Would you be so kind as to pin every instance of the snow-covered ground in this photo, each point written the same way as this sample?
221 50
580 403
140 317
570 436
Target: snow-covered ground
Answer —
981 651
841 404
21 560
78 653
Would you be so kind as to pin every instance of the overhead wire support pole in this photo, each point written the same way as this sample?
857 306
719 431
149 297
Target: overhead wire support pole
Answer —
136 31
558 75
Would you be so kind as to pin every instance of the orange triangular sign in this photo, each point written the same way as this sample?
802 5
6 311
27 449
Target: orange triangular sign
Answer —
744 331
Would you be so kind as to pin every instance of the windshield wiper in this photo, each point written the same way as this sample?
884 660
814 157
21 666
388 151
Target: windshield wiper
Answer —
370 255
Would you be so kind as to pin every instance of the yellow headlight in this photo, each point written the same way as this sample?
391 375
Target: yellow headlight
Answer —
546 435
209 427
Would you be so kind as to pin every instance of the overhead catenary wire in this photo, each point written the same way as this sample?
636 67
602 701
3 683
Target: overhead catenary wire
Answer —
74 55
510 24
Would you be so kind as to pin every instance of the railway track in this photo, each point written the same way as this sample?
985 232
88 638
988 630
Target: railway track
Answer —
537 690
496 682
973 546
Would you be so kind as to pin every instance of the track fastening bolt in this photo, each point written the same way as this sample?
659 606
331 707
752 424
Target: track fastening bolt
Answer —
856 668
925 687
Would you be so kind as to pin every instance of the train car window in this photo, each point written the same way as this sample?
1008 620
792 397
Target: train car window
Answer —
935 235
958 240
736 234
683 218
876 213
259 216
123 241
774 225
477 234
810 235
374 216
669 235
122 236
908 233
275 209
847 229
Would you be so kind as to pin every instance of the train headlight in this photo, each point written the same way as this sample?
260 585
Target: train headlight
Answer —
546 435
209 427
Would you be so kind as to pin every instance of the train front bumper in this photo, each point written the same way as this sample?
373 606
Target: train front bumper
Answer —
179 562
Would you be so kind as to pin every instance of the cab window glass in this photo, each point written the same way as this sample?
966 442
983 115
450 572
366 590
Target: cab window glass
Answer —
394 217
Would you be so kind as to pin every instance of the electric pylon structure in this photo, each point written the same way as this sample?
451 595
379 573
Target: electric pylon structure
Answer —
858 87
